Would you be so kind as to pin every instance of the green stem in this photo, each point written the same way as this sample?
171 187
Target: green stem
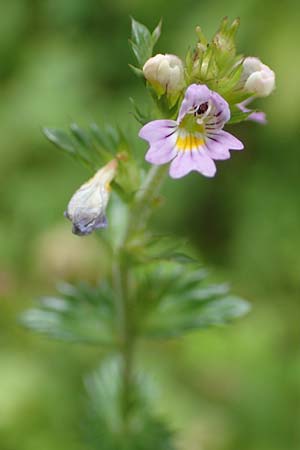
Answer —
126 333
143 205
141 211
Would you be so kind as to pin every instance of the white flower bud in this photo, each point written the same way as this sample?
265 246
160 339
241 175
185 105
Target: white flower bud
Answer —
259 78
165 73
86 208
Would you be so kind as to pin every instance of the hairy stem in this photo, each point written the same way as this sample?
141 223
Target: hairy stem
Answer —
143 205
140 213
126 332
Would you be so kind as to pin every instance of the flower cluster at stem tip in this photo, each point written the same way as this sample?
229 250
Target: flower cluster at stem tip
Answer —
194 100
213 83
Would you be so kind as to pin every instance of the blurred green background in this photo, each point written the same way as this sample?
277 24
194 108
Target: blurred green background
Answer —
230 388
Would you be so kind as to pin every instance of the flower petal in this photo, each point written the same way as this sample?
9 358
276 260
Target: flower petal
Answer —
162 151
204 164
157 129
221 111
216 151
84 223
229 141
187 161
181 165
194 95
258 116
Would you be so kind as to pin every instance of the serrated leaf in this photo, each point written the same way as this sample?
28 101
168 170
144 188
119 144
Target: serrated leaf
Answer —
81 314
178 297
174 322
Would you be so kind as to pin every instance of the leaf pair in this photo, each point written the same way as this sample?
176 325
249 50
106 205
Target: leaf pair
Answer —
168 298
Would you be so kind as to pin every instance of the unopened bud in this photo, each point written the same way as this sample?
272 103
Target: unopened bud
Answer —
87 207
258 78
165 73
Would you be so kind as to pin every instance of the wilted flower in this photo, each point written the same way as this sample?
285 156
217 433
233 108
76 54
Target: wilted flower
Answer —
196 138
164 73
86 208
259 79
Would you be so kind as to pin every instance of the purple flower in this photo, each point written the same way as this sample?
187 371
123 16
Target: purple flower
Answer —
255 116
196 138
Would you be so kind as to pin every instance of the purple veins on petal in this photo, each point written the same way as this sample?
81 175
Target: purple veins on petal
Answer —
223 137
157 129
221 107
196 138
194 95
197 160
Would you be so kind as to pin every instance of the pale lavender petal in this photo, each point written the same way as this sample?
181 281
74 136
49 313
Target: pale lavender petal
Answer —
229 141
216 151
204 164
162 151
255 116
221 112
157 129
194 95
258 116
187 161
181 165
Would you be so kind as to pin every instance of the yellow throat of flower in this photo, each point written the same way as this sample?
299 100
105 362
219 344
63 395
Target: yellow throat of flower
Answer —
192 139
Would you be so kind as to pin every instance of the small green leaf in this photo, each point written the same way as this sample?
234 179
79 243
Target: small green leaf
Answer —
60 138
82 136
141 116
142 41
138 72
156 33
108 137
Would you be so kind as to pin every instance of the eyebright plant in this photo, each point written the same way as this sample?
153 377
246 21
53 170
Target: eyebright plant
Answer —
155 288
